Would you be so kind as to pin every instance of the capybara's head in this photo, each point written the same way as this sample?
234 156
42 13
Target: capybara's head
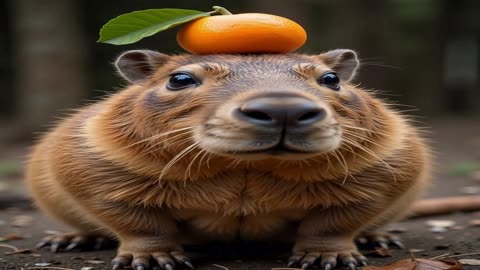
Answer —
252 108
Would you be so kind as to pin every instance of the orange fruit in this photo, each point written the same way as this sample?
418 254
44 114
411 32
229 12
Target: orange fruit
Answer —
241 33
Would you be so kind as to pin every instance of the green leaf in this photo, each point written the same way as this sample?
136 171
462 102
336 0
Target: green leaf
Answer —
132 27
7 168
464 168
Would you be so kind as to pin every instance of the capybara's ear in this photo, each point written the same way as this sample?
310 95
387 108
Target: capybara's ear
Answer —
343 61
137 66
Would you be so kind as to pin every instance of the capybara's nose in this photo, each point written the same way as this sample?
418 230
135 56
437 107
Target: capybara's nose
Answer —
278 111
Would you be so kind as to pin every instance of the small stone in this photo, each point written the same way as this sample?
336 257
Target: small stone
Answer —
474 222
42 264
3 186
414 250
471 190
95 261
476 175
438 229
22 221
440 223
439 237
457 228
442 246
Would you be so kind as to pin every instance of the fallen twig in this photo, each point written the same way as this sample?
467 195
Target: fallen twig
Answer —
221 266
50 267
14 248
436 206
447 255
439 256
21 251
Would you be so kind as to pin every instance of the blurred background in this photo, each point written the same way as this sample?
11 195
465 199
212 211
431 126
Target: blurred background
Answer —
422 54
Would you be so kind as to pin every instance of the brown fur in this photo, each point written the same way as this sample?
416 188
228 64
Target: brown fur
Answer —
104 167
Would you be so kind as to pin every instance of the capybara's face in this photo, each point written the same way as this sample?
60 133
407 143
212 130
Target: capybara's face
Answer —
251 107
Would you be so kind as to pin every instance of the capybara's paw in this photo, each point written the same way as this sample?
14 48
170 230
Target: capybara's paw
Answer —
326 252
327 260
378 239
165 260
76 241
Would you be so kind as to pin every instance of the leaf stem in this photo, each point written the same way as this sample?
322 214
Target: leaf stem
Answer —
221 10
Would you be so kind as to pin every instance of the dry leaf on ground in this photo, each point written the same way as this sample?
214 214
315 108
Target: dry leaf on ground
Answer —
406 264
10 237
425 264
379 252
418 264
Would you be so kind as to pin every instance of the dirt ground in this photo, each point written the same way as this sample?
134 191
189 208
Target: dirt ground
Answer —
457 146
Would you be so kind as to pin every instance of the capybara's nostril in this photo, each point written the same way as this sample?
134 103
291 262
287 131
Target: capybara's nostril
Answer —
257 115
288 111
312 116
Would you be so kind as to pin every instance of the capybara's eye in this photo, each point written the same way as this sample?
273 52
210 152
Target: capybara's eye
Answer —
179 81
330 80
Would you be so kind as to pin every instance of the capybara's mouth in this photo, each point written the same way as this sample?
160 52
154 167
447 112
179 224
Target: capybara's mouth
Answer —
276 150
245 145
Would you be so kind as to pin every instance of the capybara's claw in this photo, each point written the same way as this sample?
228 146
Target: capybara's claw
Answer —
398 244
142 261
328 260
379 239
327 266
117 265
73 241
294 260
42 244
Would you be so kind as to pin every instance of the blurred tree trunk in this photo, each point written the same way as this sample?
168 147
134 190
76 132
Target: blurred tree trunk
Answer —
49 60
461 44
361 25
